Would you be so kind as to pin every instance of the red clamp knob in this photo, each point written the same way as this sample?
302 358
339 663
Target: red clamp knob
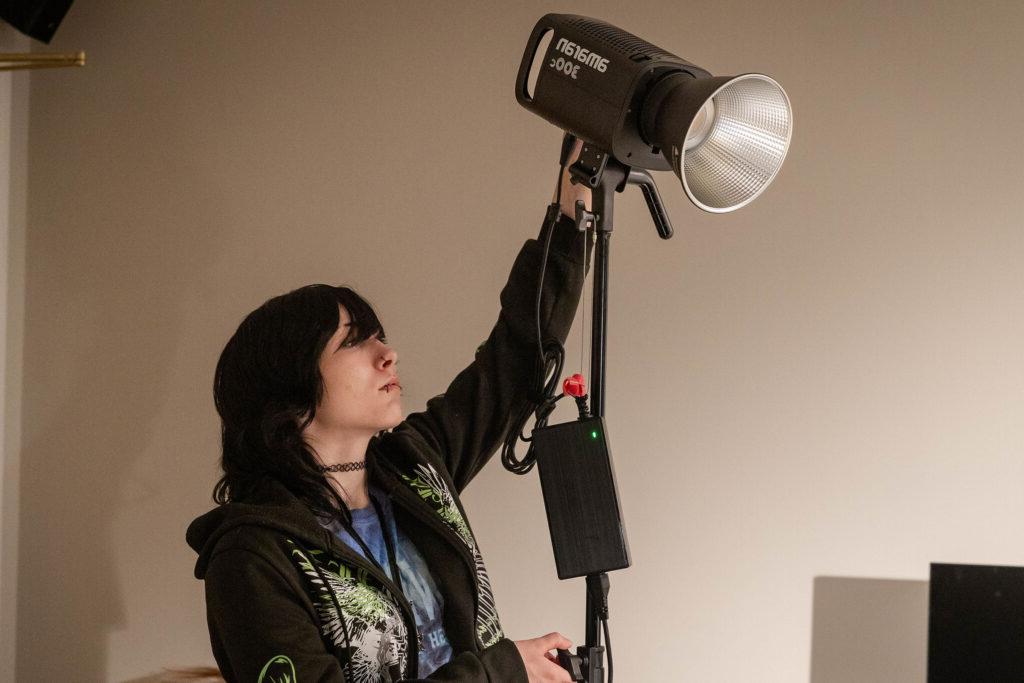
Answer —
574 386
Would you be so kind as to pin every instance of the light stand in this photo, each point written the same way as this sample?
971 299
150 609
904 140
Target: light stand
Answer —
606 176
636 106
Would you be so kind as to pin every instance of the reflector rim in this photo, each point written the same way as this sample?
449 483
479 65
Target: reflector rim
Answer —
789 136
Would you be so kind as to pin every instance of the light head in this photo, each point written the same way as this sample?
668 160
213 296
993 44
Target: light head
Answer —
724 137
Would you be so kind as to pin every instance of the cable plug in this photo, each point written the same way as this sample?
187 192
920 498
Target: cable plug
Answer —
576 387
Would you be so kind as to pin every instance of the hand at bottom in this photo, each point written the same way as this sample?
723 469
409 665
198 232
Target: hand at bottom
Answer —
541 665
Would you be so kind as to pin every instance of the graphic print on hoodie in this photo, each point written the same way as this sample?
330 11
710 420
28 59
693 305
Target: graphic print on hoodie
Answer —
417 582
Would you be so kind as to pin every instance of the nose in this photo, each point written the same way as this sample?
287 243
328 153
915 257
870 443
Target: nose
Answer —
388 357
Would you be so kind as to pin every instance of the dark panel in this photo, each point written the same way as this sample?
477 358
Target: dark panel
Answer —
976 624
581 498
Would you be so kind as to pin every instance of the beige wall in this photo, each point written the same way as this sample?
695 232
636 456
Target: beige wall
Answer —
827 383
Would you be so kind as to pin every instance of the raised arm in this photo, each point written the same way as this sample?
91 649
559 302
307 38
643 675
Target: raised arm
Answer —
471 418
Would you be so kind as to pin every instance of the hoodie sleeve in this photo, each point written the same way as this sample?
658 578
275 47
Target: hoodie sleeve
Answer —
499 662
468 422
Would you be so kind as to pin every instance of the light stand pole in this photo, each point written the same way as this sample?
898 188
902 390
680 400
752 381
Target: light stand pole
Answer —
605 176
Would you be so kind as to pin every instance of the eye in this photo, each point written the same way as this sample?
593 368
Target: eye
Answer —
349 342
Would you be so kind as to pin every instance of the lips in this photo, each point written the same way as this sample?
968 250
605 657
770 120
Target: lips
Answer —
392 384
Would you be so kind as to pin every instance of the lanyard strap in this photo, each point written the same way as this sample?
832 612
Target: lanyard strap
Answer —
388 545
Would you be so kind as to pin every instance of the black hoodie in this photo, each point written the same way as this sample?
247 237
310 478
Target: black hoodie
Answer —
287 601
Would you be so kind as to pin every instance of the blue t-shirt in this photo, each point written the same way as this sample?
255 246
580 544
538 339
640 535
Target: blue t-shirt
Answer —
417 583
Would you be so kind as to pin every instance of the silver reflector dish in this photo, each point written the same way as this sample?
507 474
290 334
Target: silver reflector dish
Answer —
731 160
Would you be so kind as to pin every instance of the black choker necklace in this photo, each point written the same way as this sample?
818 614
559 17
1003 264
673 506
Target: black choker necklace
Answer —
343 467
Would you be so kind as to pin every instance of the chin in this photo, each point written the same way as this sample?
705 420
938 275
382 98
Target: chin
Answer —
391 424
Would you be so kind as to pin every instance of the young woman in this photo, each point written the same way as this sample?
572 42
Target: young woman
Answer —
340 551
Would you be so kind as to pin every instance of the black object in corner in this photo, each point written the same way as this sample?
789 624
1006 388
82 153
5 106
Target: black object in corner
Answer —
975 624
37 19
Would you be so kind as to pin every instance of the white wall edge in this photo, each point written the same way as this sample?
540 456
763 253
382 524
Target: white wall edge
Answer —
14 93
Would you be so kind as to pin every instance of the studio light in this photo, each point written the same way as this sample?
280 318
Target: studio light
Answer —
637 108
725 137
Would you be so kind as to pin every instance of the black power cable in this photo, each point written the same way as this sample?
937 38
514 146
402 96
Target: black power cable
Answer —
550 351
608 647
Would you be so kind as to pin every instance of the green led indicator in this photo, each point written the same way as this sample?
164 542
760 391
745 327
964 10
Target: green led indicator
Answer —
593 434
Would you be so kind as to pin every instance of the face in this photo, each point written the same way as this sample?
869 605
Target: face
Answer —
361 394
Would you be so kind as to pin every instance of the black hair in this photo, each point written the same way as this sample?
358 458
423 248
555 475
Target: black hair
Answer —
267 387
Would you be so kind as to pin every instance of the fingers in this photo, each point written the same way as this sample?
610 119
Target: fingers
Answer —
569 143
563 180
571 192
555 641
540 662
559 674
575 154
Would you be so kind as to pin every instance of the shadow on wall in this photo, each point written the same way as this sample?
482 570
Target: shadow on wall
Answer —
868 630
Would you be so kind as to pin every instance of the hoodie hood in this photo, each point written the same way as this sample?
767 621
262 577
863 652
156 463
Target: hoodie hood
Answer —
281 511
278 509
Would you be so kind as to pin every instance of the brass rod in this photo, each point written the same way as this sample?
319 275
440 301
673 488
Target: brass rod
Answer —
38 56
14 61
20 67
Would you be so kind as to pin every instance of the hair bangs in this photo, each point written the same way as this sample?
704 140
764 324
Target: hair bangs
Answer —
363 320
